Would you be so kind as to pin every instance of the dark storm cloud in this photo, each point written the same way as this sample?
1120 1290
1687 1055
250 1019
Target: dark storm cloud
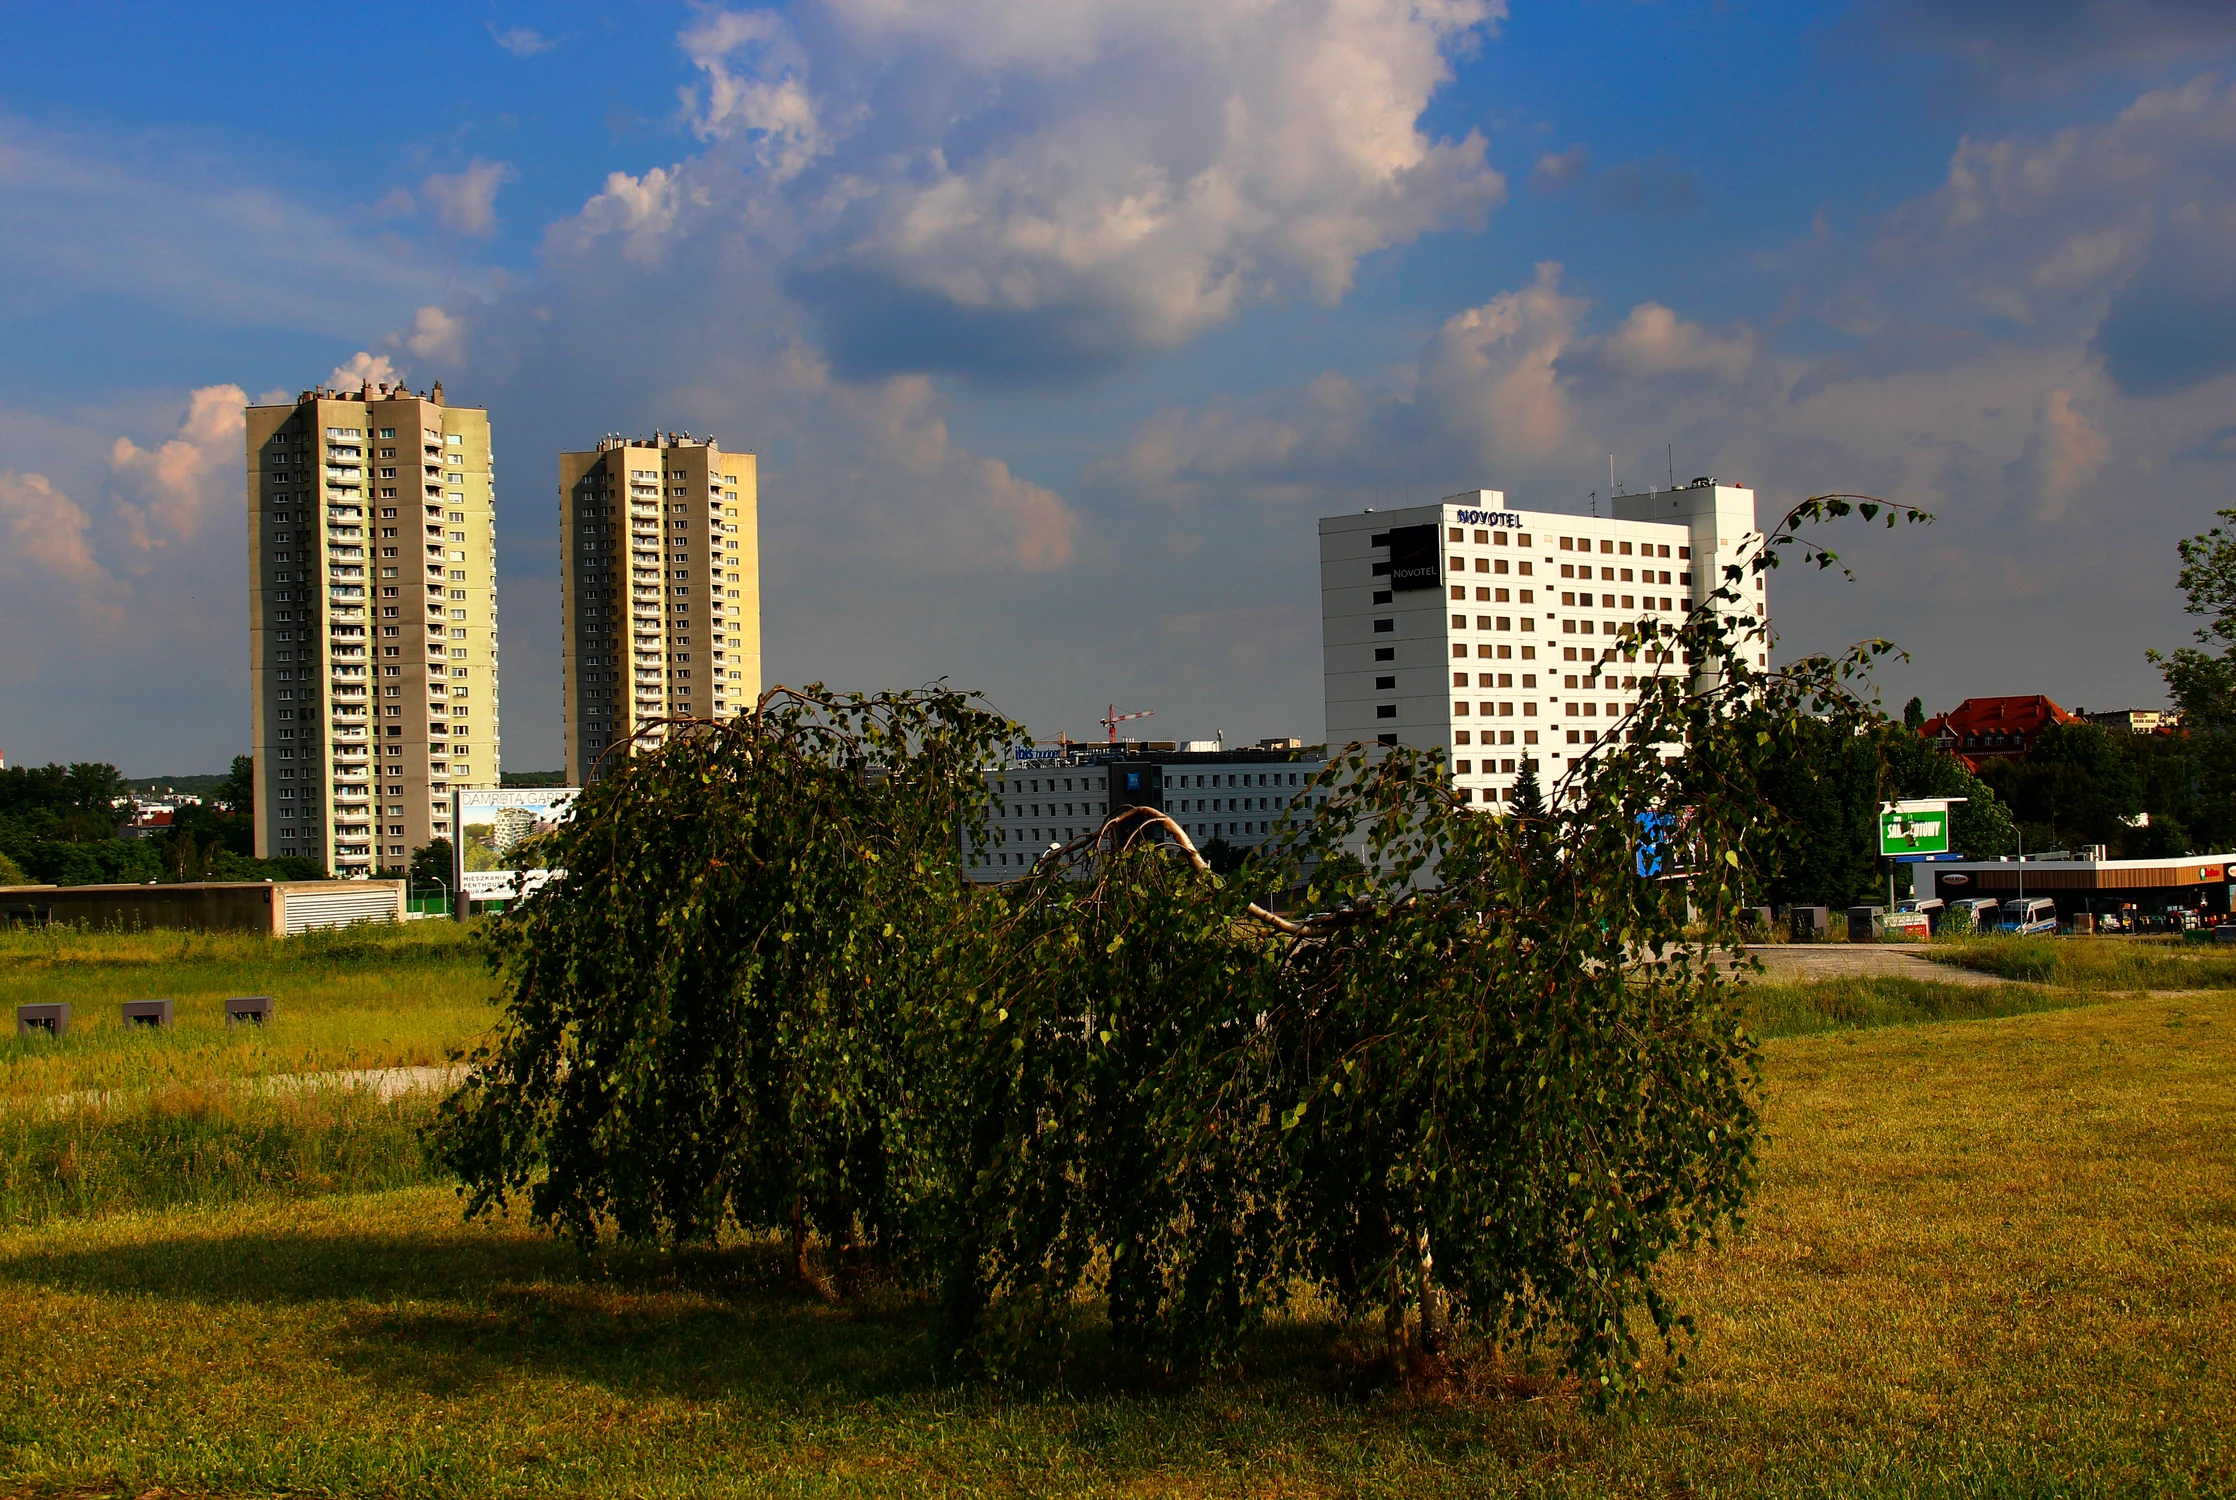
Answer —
2173 325
877 325
2022 36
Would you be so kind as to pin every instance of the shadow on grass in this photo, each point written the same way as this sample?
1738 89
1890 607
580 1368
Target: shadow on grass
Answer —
461 1312
448 1312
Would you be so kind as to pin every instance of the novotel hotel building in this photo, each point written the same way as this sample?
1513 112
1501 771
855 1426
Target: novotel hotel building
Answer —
1497 635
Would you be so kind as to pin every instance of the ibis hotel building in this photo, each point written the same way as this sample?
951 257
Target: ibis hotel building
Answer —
1046 801
660 559
372 621
1497 635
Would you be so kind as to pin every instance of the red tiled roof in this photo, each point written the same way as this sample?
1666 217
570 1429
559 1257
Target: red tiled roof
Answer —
1992 727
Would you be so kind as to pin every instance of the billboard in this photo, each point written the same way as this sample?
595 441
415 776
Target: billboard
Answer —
1413 558
1910 828
502 836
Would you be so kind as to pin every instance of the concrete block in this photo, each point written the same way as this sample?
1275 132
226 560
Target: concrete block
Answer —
1810 924
147 1013
248 1010
43 1020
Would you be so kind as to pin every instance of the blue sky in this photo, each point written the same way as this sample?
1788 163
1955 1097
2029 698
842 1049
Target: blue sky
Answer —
1058 325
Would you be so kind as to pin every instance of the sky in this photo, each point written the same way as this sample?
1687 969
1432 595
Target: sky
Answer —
1057 325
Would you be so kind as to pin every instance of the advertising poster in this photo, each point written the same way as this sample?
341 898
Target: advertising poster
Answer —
1415 561
1912 828
502 839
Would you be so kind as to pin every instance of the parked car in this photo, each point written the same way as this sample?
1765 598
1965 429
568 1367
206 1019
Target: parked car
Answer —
2024 918
1972 914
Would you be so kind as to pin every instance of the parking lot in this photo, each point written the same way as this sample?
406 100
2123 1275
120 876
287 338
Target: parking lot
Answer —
1790 962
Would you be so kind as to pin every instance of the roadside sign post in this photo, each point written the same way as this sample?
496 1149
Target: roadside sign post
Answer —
1920 826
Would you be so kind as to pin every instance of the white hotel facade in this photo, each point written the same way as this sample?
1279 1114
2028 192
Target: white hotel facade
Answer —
1498 636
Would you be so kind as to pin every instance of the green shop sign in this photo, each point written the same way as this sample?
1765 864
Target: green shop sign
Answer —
1914 828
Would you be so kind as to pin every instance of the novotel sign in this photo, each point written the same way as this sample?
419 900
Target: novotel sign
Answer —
1489 518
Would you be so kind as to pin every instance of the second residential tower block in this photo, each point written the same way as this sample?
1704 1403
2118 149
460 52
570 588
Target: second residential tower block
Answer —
660 558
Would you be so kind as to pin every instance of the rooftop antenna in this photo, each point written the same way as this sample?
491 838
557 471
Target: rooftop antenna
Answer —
1611 476
1672 465
1593 497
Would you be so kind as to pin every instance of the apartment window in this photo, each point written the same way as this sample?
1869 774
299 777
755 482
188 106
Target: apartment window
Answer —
1385 711
1385 627
1385 653
1381 596
1385 684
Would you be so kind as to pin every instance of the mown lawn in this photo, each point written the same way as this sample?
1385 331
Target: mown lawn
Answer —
1990 1255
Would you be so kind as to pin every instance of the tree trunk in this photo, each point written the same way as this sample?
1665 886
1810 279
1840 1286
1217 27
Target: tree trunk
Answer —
1393 1312
1432 1338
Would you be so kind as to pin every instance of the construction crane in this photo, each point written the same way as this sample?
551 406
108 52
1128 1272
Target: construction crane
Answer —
1111 719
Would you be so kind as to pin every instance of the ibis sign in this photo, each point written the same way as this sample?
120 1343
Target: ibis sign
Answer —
1914 828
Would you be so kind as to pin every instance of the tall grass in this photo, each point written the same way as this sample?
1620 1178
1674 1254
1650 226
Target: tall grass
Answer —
2092 963
363 997
112 1118
181 1145
1861 1002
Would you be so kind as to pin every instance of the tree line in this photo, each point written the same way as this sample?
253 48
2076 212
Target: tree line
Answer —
58 826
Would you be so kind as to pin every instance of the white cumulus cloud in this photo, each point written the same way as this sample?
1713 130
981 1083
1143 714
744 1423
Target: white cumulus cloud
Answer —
466 202
1002 190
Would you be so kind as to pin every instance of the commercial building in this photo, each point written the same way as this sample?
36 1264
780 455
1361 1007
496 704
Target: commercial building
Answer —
2134 720
372 621
660 561
1234 795
2196 884
1507 636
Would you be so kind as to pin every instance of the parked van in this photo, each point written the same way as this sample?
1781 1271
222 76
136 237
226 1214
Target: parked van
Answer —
2033 915
1972 914
1916 918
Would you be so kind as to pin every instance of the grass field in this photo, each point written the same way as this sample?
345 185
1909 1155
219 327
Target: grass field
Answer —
1994 1252
115 1117
2095 964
